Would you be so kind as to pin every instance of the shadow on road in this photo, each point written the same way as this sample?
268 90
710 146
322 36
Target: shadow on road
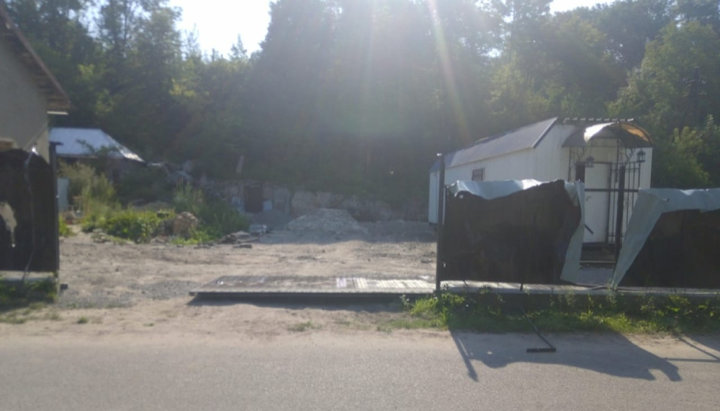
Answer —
711 341
611 354
703 345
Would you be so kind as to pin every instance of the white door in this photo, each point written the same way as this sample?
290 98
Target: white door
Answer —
596 203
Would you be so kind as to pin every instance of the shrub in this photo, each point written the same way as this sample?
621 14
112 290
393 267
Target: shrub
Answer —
217 217
220 218
85 183
63 228
91 192
138 226
79 176
187 198
96 213
197 236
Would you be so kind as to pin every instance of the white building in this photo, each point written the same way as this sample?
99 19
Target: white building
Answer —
595 151
28 92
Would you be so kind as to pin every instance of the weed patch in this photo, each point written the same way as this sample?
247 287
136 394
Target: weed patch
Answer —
217 217
34 311
63 228
489 313
15 294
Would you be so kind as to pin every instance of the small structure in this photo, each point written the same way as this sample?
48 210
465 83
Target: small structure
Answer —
83 144
608 155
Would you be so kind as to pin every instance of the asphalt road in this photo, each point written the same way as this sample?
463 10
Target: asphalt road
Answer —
325 371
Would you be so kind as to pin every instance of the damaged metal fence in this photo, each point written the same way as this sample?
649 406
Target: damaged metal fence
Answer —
672 241
511 231
28 216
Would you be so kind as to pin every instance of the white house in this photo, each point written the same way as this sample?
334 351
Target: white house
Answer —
595 151
28 92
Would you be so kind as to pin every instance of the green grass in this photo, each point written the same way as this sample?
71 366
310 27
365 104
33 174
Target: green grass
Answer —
33 311
489 313
197 236
21 302
19 294
63 228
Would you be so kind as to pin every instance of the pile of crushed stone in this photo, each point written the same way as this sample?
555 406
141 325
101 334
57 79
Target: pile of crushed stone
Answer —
326 220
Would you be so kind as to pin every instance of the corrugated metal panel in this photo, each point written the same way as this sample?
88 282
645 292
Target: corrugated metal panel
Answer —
83 142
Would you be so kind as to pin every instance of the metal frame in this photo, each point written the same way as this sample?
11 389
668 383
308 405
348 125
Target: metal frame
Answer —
623 183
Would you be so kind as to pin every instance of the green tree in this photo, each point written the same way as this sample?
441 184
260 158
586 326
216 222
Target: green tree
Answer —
675 96
561 67
142 56
628 25
58 32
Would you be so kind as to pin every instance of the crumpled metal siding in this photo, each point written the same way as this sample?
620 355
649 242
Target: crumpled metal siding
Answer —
671 240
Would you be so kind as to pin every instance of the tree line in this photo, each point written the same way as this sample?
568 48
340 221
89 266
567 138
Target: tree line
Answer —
359 95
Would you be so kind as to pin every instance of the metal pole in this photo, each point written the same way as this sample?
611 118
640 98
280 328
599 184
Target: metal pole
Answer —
56 213
620 210
439 263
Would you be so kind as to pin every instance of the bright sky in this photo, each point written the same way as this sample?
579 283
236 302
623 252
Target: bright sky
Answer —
219 22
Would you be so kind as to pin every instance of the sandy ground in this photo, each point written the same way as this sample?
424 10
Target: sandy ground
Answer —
117 289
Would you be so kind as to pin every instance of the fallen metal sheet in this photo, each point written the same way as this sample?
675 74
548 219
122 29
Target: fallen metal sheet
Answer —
330 286
350 287
523 231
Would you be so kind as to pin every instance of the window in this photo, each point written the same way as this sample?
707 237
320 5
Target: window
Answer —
478 174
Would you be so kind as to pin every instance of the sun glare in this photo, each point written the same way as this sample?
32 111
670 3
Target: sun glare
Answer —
448 73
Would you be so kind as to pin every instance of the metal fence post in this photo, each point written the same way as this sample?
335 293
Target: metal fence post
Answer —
440 221
620 210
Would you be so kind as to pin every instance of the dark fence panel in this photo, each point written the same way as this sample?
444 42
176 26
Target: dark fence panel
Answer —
681 251
28 227
520 238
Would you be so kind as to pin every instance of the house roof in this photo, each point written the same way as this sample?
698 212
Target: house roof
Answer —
522 138
86 142
578 134
57 99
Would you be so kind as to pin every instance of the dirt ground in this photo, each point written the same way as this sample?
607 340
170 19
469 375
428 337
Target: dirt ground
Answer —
143 288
